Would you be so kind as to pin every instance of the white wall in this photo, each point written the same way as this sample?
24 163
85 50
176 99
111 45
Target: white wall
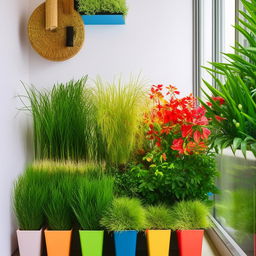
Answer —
156 41
13 152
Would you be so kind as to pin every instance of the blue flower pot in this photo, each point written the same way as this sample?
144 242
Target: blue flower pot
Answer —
103 19
125 242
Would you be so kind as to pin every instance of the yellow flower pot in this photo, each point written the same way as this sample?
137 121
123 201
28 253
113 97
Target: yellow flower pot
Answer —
158 242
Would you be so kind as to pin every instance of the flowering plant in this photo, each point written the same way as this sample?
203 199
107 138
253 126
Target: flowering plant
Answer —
176 125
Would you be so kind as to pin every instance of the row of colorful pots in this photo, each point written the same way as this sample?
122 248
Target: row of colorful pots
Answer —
158 242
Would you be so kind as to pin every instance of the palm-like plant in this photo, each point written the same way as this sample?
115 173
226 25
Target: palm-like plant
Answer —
233 105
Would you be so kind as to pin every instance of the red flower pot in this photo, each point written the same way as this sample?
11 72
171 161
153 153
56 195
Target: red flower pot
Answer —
190 242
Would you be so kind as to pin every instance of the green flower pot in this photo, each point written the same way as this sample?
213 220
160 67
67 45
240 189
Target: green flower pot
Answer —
91 242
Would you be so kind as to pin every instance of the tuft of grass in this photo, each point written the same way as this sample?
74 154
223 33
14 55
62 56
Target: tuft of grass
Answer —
57 210
119 110
189 215
91 7
159 217
63 121
29 199
90 200
124 214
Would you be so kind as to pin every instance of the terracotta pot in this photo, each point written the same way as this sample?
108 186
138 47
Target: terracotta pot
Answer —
91 242
190 242
158 242
125 242
58 242
30 242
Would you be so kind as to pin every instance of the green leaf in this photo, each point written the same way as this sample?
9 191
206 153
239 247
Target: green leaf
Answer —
236 143
244 148
253 148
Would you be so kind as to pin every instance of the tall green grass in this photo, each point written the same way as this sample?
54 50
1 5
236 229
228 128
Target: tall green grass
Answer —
58 211
29 200
63 121
119 110
90 199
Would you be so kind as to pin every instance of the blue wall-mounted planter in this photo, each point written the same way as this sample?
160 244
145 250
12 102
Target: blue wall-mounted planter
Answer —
125 242
103 19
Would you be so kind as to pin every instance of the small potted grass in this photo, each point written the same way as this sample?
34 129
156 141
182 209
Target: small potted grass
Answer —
90 200
125 217
190 220
159 223
59 215
102 12
28 202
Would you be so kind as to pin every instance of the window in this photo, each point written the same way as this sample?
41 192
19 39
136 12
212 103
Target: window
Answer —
235 205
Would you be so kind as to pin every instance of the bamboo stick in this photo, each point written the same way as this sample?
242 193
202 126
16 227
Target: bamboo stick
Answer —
68 6
51 14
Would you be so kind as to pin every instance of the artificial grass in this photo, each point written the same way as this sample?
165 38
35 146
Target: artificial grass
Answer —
190 215
159 217
29 199
90 199
92 7
124 214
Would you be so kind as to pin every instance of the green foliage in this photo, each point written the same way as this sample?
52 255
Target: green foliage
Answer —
158 217
119 111
57 210
184 178
63 121
124 214
236 84
189 215
29 199
90 200
91 7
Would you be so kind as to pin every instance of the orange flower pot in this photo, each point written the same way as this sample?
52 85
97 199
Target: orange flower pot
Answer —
190 242
158 242
58 242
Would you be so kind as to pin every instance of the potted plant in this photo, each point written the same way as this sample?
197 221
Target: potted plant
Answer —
190 220
159 223
89 202
102 12
125 217
28 202
59 215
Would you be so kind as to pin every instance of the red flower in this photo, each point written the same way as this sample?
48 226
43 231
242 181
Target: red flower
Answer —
186 130
164 156
219 118
219 99
206 133
209 104
178 145
197 136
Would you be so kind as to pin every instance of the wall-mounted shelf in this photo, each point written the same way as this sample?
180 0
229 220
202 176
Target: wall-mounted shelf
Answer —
103 19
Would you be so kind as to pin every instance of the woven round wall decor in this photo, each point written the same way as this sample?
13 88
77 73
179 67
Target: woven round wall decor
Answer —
51 44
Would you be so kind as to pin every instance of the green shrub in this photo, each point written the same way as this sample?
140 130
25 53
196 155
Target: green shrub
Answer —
184 178
29 199
91 7
120 107
90 200
124 214
158 217
189 215
233 107
57 210
63 120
